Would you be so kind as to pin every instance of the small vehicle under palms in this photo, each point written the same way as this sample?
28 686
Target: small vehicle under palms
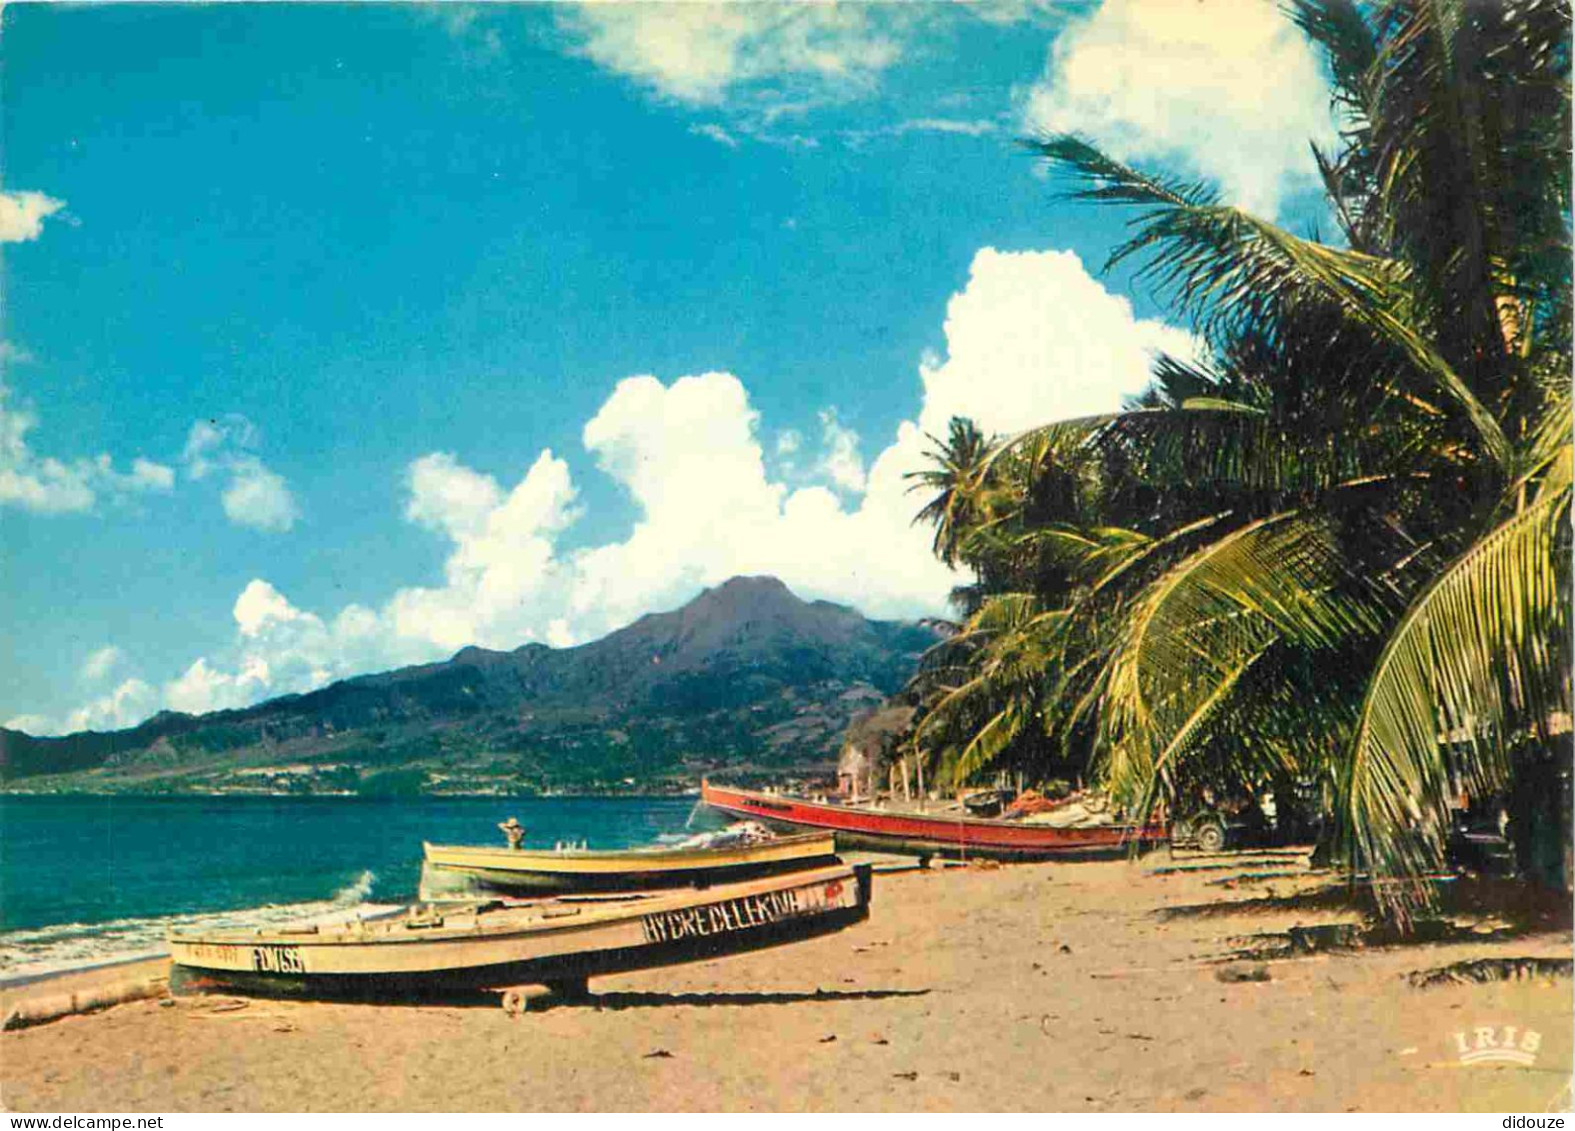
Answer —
1207 830
1215 829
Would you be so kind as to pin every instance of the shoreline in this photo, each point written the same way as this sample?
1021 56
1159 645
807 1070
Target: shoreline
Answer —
882 863
1157 985
327 795
42 978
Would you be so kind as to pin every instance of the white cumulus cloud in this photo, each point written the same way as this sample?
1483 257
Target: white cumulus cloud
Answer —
1034 338
839 460
132 701
22 215
100 662
150 476
1229 89
694 53
501 580
254 495
448 497
202 688
716 133
1031 338
258 497
50 485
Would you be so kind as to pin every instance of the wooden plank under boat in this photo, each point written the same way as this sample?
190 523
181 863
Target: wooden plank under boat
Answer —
551 942
460 872
921 834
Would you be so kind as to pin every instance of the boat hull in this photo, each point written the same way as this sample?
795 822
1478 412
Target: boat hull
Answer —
553 942
459 873
918 834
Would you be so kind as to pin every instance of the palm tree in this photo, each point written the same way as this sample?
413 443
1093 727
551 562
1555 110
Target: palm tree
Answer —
957 480
1346 529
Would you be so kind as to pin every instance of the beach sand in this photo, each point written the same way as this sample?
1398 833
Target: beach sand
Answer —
1082 987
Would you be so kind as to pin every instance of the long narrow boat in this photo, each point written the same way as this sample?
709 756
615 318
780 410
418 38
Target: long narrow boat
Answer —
459 872
557 943
921 834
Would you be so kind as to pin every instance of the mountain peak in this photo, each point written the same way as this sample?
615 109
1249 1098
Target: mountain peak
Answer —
756 581
747 671
746 599
747 588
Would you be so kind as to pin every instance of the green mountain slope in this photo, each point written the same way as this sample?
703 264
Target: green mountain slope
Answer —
744 677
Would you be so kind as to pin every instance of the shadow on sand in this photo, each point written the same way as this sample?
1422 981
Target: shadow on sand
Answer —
617 1000
1337 896
1465 898
1234 861
1465 909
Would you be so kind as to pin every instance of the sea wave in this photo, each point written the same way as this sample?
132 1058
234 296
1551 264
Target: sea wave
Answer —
38 951
357 890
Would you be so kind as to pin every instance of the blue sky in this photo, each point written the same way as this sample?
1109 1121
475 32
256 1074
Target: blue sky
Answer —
337 337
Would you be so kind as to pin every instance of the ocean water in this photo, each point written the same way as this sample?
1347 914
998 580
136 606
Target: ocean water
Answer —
92 879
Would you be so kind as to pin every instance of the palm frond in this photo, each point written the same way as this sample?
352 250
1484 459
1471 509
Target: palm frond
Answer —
1339 27
1111 181
1200 626
1232 271
1481 654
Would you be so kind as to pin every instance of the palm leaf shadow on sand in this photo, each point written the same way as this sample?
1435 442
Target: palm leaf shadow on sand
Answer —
1352 938
1331 897
1483 970
1468 910
1465 897
615 999
1185 864
647 999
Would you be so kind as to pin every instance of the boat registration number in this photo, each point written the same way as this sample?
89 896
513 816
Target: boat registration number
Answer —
742 914
221 953
277 960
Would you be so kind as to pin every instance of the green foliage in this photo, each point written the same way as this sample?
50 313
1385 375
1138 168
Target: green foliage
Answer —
393 783
960 462
1336 549
1193 634
1478 664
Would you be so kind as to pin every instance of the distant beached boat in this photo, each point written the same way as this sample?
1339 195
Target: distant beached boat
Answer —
557 943
954 835
459 872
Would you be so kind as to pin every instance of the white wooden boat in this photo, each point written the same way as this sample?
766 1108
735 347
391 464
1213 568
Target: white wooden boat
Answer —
557 943
460 872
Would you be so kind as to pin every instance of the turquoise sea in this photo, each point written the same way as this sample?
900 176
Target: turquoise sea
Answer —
91 879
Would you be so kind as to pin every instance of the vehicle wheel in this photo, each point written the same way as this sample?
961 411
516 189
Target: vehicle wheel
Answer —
1210 836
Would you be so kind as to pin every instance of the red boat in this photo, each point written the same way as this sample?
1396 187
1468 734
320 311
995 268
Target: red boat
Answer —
921 834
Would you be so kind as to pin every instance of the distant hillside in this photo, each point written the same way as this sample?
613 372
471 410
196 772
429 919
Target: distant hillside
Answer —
746 676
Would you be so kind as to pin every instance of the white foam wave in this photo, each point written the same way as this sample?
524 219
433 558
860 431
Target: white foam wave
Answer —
357 890
32 952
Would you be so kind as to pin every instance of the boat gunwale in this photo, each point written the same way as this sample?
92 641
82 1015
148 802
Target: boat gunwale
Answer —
983 822
643 904
614 855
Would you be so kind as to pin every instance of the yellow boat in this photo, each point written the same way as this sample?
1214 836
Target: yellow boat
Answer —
557 943
455 872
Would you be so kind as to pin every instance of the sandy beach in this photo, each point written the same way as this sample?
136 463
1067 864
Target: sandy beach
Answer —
1082 987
